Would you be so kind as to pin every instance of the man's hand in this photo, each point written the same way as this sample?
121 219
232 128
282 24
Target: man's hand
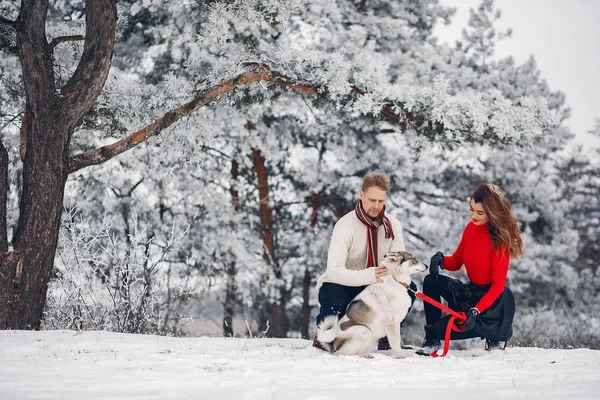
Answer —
437 263
380 272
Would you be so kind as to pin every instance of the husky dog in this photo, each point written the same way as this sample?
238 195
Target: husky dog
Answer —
376 312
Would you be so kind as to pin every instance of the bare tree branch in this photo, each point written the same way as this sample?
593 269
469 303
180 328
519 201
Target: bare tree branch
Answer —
283 205
9 119
219 152
416 235
62 39
9 22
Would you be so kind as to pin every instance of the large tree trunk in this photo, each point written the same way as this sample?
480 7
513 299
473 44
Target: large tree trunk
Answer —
47 126
3 200
278 322
44 177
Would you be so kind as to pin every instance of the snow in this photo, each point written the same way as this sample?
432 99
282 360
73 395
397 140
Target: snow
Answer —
104 365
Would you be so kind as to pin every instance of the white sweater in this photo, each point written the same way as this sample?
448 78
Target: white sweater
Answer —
347 259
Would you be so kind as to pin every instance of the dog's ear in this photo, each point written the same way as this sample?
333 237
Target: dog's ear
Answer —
404 256
395 256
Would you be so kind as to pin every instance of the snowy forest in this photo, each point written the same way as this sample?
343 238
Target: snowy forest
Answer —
176 168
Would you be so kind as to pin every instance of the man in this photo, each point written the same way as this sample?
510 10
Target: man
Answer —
359 241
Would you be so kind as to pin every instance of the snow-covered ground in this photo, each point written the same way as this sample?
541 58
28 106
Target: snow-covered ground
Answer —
102 365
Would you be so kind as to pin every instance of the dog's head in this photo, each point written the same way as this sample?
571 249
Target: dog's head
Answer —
401 264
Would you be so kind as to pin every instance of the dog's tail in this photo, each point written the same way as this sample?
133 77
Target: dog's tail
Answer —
327 332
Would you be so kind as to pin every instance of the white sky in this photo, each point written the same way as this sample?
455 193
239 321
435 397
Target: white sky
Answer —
68 365
564 38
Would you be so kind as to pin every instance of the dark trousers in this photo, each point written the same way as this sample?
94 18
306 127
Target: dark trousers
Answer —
495 323
334 299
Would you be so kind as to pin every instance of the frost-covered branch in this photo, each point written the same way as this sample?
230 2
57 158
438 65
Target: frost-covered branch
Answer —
63 39
9 22
104 282
432 111
102 154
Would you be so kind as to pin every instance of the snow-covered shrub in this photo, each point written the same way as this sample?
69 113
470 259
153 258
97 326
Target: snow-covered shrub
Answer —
102 282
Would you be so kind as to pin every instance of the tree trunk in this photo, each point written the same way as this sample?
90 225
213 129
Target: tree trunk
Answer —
316 201
306 285
278 322
264 209
231 288
44 177
47 126
307 280
229 303
3 199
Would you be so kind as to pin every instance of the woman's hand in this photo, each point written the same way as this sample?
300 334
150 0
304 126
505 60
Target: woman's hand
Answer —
472 315
437 263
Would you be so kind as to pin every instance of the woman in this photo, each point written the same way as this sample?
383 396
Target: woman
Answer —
487 244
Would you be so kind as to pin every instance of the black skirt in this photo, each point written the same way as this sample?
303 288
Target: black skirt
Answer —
494 323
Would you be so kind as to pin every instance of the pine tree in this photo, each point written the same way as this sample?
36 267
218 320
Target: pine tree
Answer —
66 116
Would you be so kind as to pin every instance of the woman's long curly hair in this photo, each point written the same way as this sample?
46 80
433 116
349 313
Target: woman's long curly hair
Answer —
503 226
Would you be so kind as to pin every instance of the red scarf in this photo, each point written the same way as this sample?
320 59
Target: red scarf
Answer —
372 224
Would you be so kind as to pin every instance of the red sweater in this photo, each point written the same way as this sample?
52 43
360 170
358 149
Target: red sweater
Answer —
484 266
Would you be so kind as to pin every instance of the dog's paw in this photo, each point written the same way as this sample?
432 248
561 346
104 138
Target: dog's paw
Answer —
366 355
398 355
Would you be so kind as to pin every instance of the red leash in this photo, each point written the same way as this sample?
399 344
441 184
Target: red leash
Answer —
460 316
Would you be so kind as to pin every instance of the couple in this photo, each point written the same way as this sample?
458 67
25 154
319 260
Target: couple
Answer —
362 237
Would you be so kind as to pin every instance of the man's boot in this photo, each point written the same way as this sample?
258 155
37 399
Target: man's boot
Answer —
431 343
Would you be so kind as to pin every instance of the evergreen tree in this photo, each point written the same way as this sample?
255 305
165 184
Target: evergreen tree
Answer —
248 53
